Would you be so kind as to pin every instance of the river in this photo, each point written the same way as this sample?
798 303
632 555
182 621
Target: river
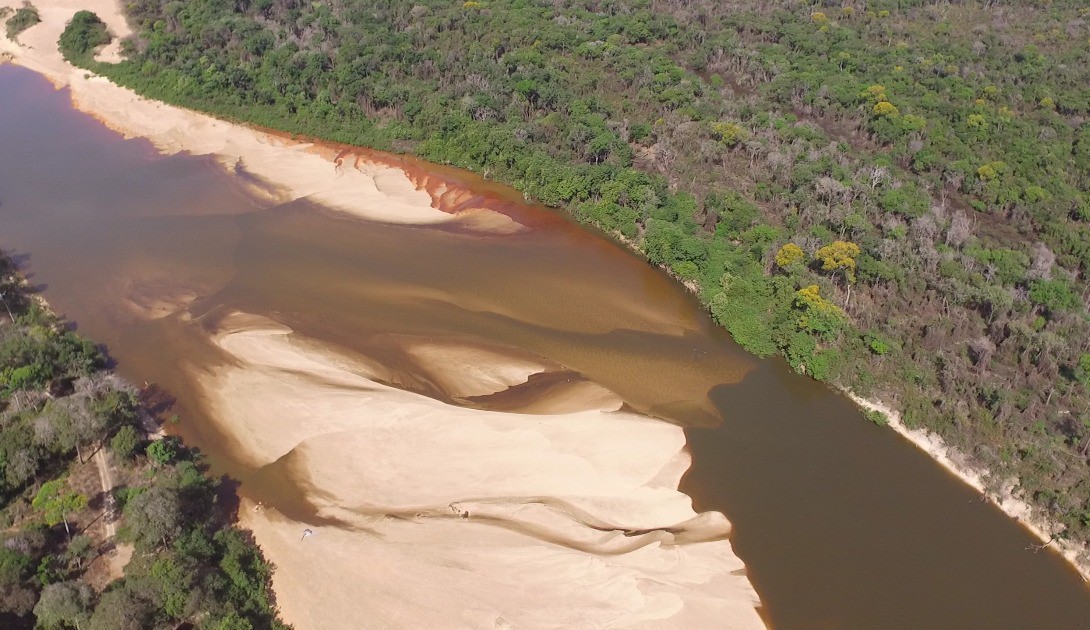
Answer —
841 524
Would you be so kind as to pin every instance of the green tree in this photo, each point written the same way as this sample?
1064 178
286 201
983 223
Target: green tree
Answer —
125 442
80 549
154 517
122 609
163 451
63 606
81 36
1053 295
816 314
1082 370
56 503
24 17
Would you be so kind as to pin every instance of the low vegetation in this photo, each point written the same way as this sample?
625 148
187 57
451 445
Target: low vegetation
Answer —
891 195
58 406
23 18
84 33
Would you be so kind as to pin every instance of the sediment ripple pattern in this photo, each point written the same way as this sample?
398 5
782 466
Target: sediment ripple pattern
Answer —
483 518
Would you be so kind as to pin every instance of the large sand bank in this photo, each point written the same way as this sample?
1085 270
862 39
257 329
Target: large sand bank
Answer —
431 515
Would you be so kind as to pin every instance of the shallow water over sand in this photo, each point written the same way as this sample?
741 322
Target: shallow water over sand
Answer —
840 523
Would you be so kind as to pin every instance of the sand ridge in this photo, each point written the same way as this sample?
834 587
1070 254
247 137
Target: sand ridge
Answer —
441 516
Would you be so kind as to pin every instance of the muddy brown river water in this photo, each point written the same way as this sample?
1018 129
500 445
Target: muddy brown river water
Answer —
841 524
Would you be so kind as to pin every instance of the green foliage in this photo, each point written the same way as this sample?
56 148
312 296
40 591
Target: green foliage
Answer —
247 572
163 451
729 133
80 549
907 200
878 344
125 442
742 307
816 314
38 354
1008 265
1053 295
877 417
23 18
1082 370
735 214
64 605
15 566
154 517
56 502
125 494
81 36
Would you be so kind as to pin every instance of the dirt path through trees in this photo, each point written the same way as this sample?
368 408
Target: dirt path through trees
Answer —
107 492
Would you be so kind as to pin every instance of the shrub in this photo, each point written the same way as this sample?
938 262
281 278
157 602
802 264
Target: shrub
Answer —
125 442
877 417
81 36
25 17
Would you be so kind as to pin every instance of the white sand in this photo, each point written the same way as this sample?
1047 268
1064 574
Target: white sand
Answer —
454 517
960 466
356 185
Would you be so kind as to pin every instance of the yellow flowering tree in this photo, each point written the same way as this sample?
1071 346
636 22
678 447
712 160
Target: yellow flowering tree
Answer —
790 255
839 256
815 313
885 108
729 133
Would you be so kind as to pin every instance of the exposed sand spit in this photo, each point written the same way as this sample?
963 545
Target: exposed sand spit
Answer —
465 370
431 515
284 170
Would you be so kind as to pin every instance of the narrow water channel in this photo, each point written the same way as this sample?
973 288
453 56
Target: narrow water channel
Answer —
841 524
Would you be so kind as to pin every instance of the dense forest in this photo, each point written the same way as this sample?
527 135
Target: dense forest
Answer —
66 535
890 194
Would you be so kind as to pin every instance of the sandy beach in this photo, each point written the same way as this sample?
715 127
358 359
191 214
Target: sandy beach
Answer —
275 168
556 510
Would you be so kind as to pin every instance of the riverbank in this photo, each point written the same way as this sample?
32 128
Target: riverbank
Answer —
101 552
458 508
961 466
273 167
